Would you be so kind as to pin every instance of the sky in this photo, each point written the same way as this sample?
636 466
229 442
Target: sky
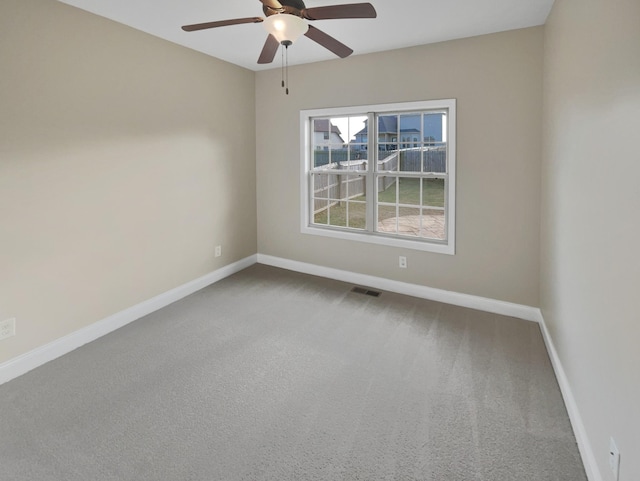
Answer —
349 126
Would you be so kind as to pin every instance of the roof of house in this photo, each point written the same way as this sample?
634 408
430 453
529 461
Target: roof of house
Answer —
322 125
388 124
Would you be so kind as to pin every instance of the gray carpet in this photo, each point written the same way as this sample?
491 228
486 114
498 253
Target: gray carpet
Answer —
273 375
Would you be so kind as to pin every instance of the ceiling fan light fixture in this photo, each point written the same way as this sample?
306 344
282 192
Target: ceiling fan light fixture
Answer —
286 28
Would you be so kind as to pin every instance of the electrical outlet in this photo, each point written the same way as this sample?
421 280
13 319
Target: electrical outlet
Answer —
402 262
7 328
218 251
614 459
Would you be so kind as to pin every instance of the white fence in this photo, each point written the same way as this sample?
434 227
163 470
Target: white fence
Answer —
343 180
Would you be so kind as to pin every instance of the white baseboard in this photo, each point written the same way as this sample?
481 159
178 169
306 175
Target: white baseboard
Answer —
22 364
584 445
520 311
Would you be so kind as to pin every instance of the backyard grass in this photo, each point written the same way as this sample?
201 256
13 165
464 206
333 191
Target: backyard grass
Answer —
352 213
409 192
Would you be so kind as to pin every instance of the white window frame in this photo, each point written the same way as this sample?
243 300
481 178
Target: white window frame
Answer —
370 236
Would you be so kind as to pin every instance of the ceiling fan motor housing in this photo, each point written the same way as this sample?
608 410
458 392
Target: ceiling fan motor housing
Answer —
299 4
292 7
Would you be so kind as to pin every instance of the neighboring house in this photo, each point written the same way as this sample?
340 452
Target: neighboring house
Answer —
325 133
405 135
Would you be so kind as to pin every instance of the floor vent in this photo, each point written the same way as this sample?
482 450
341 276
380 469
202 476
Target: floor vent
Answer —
366 292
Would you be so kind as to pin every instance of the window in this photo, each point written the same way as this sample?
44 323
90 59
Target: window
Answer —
362 184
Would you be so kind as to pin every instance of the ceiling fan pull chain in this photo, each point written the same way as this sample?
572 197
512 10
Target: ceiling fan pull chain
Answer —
287 67
282 68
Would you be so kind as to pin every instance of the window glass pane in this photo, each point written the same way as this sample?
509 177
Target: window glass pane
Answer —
354 187
387 219
362 150
320 211
356 216
433 127
387 135
387 128
338 214
388 161
387 209
410 159
410 125
409 191
320 217
339 158
433 192
409 221
327 131
320 131
340 185
354 129
320 158
387 189
329 158
330 184
320 185
433 224
357 159
328 144
338 131
435 158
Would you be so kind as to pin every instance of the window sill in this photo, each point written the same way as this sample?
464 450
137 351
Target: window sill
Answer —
381 239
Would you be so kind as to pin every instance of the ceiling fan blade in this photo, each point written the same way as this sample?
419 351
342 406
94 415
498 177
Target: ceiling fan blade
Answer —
328 42
269 50
351 10
221 23
272 4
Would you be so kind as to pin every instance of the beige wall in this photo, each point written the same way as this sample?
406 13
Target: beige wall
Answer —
123 160
590 262
497 81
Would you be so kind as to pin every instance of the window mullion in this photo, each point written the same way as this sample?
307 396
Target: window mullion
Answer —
372 181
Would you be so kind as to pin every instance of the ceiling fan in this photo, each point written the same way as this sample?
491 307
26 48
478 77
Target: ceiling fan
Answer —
286 21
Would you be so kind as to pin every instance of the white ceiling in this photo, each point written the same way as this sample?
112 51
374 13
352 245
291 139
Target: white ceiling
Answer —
400 23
